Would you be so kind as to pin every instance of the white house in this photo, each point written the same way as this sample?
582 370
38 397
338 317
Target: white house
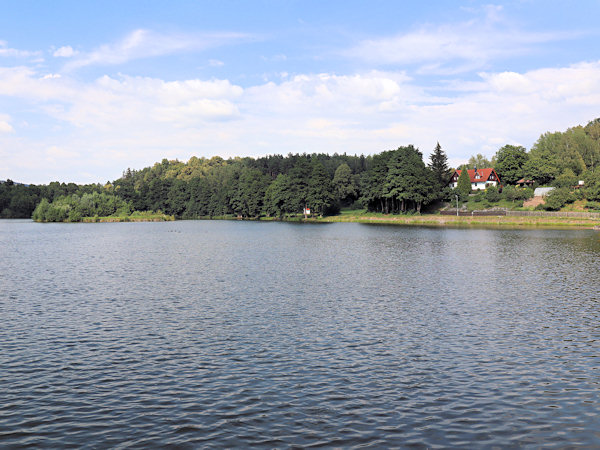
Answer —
480 178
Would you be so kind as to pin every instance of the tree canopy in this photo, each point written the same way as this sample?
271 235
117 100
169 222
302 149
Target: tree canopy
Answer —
276 185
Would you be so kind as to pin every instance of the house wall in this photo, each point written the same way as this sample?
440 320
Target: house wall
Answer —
480 185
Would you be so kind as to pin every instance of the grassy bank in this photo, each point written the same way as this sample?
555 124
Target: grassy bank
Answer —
134 217
359 216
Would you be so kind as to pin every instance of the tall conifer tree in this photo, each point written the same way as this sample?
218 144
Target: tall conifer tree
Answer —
439 165
464 183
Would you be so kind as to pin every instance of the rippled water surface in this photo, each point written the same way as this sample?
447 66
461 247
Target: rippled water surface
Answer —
241 334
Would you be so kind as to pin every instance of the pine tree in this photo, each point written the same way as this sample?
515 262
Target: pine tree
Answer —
439 165
464 183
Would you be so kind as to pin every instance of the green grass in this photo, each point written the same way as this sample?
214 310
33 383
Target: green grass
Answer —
136 216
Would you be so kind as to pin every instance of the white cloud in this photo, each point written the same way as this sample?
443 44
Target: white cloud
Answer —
13 52
215 63
5 126
454 48
146 43
65 52
54 152
111 123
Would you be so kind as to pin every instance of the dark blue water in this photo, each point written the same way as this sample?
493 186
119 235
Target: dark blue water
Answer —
241 334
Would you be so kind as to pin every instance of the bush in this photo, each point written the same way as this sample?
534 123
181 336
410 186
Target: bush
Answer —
526 193
558 198
492 195
478 197
74 216
594 206
462 197
73 208
39 213
566 180
510 193
358 204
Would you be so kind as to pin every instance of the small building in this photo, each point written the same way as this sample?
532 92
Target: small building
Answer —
480 178
523 182
542 191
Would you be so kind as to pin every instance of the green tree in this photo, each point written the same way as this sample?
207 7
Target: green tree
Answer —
438 163
372 183
464 183
592 186
250 193
320 192
409 184
567 179
551 155
586 142
510 193
177 198
557 198
492 195
480 161
510 163
279 197
41 210
299 176
344 184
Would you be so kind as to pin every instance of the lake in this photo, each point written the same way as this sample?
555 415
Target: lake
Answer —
247 334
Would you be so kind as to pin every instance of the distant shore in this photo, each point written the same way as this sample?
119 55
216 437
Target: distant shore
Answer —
437 220
464 221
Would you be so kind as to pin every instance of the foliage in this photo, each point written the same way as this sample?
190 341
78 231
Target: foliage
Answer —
514 193
553 153
320 196
558 198
510 162
277 185
592 186
344 185
278 200
399 181
479 161
462 197
72 208
439 166
492 195
464 182
594 206
567 179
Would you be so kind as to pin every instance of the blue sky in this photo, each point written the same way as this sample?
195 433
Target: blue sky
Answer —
88 89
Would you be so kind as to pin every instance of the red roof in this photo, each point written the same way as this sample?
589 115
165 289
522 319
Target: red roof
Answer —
485 175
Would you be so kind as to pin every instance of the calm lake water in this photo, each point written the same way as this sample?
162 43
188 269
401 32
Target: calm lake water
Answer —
243 334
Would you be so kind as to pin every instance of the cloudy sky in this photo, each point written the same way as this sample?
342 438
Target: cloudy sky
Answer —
88 89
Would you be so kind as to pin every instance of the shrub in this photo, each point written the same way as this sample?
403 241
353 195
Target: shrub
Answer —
510 193
492 195
595 206
478 197
74 216
558 198
565 180
526 193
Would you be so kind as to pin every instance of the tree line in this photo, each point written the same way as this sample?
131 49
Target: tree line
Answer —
393 181
559 159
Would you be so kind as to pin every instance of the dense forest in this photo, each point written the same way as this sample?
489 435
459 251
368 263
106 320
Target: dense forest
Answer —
394 181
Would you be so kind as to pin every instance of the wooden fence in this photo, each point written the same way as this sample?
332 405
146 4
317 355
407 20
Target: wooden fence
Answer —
569 214
502 212
452 212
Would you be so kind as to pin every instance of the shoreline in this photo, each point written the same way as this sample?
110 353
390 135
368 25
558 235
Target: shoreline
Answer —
466 221
429 220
